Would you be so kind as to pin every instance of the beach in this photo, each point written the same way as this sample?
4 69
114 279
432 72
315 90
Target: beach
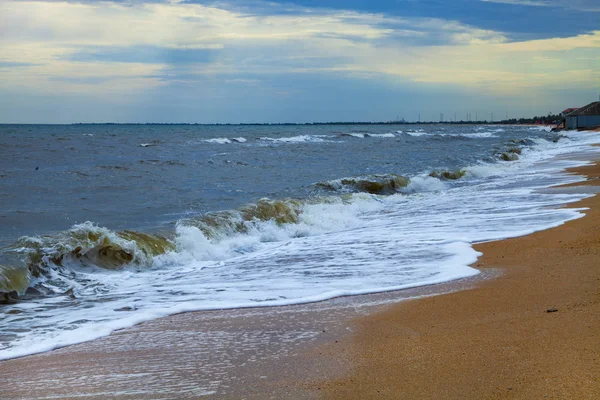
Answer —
531 332
299 199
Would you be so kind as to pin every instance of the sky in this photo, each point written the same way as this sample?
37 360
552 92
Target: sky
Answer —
300 61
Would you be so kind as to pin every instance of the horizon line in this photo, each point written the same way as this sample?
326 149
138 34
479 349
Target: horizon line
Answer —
513 121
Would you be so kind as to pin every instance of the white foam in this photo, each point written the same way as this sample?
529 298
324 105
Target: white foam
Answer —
226 140
218 140
417 133
542 128
296 139
424 183
361 135
481 135
356 135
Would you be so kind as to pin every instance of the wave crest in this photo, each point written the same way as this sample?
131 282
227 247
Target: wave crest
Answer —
448 175
13 279
87 244
375 184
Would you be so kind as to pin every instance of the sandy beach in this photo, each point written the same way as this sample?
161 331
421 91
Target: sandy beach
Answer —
532 332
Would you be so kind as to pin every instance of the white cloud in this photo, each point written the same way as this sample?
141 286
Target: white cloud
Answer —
48 34
581 5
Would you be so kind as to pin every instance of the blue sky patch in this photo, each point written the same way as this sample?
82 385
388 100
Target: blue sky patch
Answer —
144 54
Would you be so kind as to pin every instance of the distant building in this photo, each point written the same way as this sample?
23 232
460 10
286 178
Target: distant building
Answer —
568 111
584 117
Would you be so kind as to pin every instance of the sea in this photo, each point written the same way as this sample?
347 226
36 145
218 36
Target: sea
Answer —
105 226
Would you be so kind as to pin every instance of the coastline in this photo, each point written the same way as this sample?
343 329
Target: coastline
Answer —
354 346
532 333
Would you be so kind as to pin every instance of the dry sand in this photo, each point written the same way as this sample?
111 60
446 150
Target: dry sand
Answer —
498 340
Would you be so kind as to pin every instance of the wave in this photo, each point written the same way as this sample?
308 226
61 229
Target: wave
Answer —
151 144
363 135
374 184
296 139
448 175
541 128
51 260
425 184
226 140
358 135
85 246
482 135
90 248
13 279
416 133
55 264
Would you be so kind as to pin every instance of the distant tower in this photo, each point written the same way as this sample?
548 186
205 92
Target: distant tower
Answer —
492 117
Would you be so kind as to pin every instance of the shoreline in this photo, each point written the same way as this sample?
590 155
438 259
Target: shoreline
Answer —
531 333
259 348
325 341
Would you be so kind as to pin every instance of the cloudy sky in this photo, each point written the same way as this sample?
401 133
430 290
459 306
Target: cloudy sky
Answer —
294 61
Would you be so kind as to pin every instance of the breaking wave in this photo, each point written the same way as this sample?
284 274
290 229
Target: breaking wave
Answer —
416 133
296 139
226 140
363 135
375 184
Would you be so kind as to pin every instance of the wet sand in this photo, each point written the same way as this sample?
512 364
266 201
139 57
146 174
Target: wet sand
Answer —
489 337
534 333
260 353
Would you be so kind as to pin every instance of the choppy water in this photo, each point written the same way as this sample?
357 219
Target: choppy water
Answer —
110 225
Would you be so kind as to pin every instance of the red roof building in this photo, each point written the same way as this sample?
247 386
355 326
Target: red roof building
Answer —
568 111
